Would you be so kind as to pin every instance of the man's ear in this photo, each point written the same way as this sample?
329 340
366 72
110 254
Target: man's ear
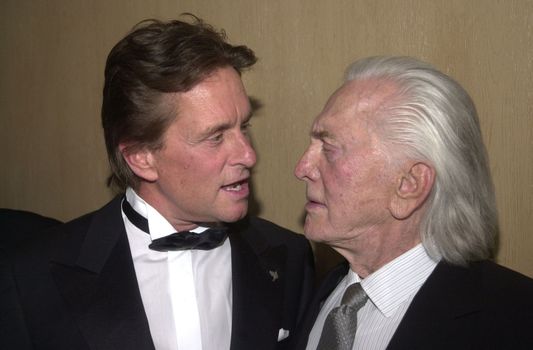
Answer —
412 190
140 160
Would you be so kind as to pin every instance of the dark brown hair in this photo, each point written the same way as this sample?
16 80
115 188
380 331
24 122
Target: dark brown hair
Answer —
156 58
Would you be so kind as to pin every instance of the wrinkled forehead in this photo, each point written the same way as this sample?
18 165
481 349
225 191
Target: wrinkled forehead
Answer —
362 97
354 106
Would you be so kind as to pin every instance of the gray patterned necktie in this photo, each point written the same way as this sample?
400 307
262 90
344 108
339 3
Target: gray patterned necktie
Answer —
340 326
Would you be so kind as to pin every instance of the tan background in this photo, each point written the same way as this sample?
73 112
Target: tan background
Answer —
52 56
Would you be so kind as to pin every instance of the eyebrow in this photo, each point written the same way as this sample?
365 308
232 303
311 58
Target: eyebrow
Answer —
320 134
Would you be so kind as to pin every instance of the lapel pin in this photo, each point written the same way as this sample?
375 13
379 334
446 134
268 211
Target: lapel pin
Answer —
274 275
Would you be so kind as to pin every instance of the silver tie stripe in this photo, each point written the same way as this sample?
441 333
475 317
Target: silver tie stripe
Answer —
341 324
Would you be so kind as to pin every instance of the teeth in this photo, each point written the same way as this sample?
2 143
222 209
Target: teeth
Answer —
236 187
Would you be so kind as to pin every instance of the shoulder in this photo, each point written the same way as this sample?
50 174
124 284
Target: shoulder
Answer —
54 239
502 282
495 288
12 220
486 276
506 296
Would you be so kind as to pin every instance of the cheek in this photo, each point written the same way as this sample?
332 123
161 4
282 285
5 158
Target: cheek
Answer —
341 179
189 163
180 160
179 170
348 186
186 164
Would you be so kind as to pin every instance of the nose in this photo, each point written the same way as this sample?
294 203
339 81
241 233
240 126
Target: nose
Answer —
247 156
305 169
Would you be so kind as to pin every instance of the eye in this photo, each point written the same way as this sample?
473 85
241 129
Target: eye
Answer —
216 138
327 148
329 151
245 128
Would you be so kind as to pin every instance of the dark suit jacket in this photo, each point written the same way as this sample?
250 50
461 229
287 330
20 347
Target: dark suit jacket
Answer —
19 225
77 288
483 306
16 226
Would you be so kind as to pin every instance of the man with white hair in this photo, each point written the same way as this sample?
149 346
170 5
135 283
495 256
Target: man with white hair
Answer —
398 183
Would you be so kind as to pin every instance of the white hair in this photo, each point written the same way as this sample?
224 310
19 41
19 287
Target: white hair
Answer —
434 120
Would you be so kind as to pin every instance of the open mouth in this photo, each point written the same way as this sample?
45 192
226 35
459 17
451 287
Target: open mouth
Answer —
236 186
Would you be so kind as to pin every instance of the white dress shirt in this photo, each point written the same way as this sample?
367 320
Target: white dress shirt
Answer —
187 295
390 291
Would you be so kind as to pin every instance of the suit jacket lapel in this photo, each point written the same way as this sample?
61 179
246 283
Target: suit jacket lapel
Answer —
331 281
258 280
436 315
99 285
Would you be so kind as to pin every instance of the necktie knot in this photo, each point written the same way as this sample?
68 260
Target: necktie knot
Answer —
354 296
341 324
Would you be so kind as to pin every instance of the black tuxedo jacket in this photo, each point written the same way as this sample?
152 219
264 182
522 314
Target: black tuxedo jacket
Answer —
75 287
483 306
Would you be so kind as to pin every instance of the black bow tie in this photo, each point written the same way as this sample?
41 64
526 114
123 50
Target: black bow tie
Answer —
209 239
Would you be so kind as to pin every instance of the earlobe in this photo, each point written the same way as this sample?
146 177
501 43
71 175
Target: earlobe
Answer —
412 191
140 161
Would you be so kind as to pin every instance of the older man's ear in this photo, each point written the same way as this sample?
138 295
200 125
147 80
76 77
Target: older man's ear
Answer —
414 186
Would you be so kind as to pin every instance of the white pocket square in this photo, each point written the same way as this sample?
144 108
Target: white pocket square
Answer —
283 333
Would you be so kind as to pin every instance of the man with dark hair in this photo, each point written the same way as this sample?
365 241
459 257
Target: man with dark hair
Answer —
398 183
174 262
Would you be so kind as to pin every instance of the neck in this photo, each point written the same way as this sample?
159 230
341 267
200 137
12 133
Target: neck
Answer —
164 207
368 251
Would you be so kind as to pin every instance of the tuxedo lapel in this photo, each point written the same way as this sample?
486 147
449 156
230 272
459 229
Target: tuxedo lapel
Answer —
258 280
99 285
441 312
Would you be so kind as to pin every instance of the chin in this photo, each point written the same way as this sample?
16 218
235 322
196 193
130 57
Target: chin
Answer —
310 232
313 231
233 216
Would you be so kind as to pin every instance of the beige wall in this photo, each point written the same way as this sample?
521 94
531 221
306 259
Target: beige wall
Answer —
52 55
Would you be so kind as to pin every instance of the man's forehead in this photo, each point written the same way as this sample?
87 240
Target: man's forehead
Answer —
322 127
367 95
359 99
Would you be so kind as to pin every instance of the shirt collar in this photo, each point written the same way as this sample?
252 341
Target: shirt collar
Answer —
397 281
157 224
